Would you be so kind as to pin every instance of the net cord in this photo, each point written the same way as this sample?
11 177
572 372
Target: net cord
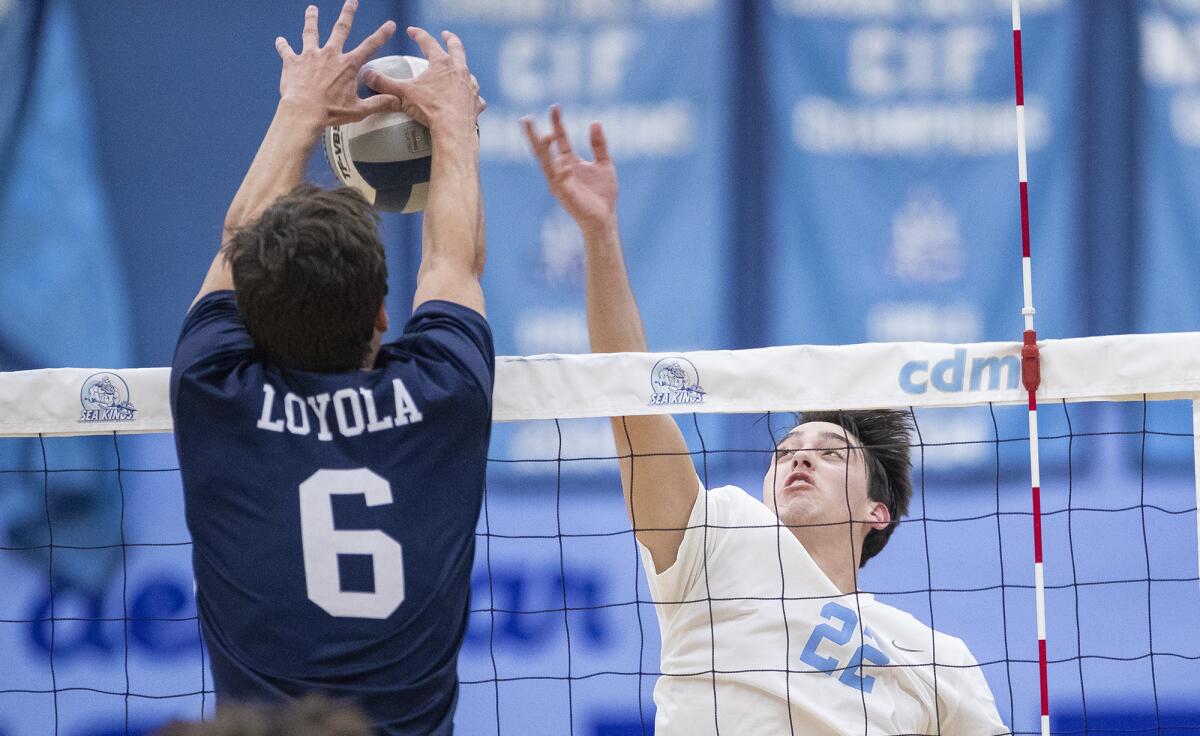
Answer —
1146 547
637 566
1003 582
712 638
933 661
1196 449
124 580
487 528
562 573
1074 569
787 634
50 571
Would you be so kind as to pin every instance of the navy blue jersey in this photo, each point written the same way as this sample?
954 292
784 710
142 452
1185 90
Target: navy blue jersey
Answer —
333 514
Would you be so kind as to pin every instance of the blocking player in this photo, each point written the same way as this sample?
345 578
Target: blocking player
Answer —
332 484
763 628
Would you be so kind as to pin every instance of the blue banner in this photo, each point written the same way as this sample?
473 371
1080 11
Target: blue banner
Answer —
647 73
1169 135
894 196
1166 298
55 233
62 291
652 73
20 31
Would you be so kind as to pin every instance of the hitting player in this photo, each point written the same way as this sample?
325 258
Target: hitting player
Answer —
763 629
332 484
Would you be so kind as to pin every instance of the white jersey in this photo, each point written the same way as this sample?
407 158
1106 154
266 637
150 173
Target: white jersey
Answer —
721 606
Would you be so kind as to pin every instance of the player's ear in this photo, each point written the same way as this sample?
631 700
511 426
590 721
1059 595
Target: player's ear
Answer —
880 515
381 320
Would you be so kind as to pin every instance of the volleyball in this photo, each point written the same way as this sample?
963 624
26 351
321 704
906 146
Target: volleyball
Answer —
386 156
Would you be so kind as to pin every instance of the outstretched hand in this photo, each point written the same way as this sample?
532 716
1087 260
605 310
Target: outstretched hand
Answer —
446 95
322 80
586 189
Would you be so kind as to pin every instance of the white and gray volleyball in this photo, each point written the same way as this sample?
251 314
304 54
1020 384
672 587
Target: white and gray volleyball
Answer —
386 156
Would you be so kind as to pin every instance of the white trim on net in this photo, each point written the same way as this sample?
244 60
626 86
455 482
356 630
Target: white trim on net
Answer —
793 378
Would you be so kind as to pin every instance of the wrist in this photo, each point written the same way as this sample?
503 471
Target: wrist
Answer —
601 232
454 126
458 138
301 115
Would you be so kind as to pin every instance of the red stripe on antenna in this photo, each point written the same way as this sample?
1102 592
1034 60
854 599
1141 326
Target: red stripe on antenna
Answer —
1042 674
1025 219
1037 524
1018 67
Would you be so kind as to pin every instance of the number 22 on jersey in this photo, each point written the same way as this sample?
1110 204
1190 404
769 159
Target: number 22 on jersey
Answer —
323 543
865 654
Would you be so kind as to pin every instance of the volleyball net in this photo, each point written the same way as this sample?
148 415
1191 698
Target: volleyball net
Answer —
97 619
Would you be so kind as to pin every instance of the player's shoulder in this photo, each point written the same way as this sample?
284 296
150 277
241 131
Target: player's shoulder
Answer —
729 494
738 506
443 337
215 306
440 313
212 342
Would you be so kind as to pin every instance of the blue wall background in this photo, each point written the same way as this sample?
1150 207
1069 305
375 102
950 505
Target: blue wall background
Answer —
125 128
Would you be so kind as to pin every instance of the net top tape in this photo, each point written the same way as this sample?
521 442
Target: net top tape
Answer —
72 401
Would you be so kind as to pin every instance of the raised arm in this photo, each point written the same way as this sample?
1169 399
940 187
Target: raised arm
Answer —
657 474
316 89
446 99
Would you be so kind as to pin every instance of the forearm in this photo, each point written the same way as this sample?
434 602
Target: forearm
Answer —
651 448
277 168
278 165
452 233
480 230
657 475
614 323
316 88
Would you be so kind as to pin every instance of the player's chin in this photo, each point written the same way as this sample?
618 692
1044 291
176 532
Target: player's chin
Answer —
777 502
796 522
791 511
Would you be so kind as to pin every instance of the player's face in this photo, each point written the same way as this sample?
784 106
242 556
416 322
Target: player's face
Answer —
818 476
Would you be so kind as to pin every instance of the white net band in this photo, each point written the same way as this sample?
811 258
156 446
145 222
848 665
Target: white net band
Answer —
802 377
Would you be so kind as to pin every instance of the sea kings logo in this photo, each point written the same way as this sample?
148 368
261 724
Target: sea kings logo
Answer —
675 381
105 398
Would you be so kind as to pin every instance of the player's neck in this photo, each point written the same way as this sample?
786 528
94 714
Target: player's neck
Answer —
369 363
828 548
376 344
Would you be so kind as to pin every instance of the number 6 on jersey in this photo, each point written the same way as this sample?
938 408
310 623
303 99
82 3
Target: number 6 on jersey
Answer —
323 543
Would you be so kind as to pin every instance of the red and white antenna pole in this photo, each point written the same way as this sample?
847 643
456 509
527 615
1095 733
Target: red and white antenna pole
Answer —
1031 369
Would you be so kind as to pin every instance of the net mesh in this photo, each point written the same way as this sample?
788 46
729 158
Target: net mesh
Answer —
100 634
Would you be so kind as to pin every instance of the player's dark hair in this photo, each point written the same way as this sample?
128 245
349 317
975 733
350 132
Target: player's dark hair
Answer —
312 715
310 276
883 436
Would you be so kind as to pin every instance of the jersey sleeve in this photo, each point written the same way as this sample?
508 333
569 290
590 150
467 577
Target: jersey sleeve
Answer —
213 335
677 582
457 335
968 707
